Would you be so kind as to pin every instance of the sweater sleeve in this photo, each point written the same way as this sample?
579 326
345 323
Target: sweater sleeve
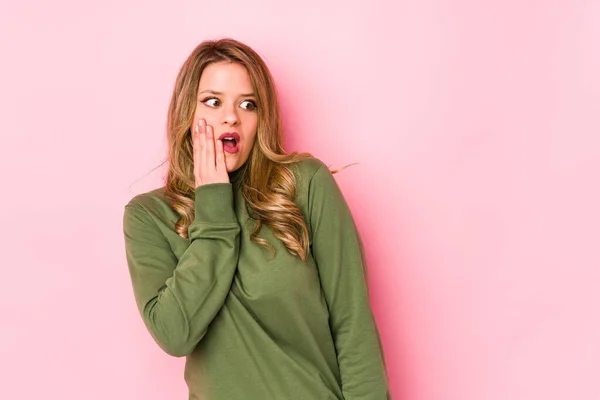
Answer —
179 298
338 251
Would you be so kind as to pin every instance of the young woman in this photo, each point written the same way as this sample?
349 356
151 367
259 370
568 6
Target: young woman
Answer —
248 261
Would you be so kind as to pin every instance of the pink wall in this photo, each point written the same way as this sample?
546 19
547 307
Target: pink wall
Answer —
476 128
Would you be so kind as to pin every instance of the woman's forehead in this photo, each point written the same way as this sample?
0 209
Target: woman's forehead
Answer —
226 79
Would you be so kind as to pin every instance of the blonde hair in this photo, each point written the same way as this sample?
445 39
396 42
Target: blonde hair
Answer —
268 184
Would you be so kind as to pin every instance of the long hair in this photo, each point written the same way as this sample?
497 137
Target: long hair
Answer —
268 184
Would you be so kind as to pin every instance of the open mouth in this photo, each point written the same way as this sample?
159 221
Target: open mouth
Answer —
230 141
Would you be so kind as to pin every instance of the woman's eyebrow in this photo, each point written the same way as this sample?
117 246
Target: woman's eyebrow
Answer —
221 93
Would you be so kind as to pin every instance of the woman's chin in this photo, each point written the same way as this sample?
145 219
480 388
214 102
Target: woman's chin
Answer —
230 165
233 163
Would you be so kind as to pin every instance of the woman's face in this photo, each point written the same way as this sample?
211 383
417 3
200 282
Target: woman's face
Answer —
226 102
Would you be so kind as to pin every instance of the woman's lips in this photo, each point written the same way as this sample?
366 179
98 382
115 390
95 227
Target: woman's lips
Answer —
228 145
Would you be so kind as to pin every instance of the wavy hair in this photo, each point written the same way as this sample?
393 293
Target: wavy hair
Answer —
268 184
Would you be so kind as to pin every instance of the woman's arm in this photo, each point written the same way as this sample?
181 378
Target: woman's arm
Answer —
179 299
338 251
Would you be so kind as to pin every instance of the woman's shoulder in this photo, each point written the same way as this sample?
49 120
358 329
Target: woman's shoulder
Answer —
152 201
151 206
313 179
306 168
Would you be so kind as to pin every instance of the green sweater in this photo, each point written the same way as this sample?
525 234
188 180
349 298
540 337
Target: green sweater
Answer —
255 327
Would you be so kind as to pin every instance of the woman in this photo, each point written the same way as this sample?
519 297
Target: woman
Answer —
248 261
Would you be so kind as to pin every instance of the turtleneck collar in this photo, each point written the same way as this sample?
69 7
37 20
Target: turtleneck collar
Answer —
235 177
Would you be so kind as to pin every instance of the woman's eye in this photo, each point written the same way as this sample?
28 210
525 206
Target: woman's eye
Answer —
248 105
211 102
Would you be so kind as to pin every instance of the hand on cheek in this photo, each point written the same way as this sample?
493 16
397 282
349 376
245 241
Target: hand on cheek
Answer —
209 157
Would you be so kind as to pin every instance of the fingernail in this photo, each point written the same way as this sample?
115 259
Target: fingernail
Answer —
201 122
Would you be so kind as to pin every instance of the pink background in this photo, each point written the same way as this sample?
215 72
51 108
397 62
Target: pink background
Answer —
475 124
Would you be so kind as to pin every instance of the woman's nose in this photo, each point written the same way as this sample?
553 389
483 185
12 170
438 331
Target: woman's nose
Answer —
230 115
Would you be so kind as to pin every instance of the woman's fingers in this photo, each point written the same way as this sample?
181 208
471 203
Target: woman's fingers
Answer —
220 156
199 149
202 143
210 147
196 148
